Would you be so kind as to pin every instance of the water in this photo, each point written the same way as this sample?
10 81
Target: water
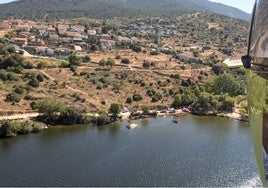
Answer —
197 151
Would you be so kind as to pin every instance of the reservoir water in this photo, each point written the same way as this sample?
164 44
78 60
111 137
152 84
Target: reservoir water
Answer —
196 151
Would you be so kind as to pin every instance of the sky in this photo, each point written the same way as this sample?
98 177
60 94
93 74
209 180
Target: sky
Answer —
245 5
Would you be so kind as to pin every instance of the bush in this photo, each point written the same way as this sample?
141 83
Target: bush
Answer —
137 97
129 100
154 53
42 65
13 97
146 64
33 82
86 59
135 48
19 90
25 128
156 97
40 77
74 60
34 105
9 129
125 61
65 64
117 57
37 127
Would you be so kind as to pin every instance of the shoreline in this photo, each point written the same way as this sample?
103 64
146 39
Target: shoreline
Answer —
123 116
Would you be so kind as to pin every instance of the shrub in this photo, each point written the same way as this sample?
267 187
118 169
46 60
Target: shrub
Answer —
129 100
19 90
156 97
34 82
154 53
9 129
40 77
25 128
65 64
137 97
135 48
42 65
34 105
37 127
117 56
125 61
13 97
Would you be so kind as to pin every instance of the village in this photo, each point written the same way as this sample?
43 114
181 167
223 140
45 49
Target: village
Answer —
59 39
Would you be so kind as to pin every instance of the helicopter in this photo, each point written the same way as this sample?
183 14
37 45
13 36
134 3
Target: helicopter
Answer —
256 66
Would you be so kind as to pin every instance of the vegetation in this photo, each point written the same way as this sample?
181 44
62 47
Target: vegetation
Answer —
94 9
12 128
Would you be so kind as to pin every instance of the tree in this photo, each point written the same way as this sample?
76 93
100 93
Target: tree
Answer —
51 109
202 104
74 60
226 83
115 109
70 116
177 100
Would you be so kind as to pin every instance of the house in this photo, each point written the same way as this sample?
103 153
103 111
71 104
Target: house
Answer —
65 39
107 44
124 39
37 42
63 51
5 26
91 32
44 51
77 48
51 31
41 50
206 47
20 41
54 37
73 34
62 29
24 27
78 28
105 36
77 40
43 32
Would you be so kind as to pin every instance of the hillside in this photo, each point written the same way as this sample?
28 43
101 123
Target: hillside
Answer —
60 9
151 77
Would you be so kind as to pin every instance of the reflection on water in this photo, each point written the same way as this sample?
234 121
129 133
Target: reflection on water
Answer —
196 151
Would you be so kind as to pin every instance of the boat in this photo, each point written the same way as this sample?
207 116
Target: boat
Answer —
175 121
132 125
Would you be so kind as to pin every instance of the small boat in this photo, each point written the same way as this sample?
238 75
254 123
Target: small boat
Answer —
132 125
175 121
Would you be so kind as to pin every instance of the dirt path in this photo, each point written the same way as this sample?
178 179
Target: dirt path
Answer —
19 116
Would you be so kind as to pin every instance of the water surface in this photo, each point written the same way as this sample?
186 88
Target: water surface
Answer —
197 151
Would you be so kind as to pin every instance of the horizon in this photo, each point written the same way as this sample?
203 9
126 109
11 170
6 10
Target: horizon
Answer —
245 5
